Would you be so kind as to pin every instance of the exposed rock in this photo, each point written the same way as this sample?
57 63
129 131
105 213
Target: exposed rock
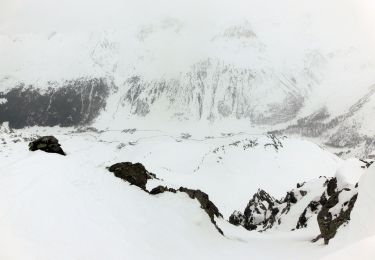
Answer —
331 187
331 207
47 144
316 205
367 163
310 210
259 212
204 200
264 212
290 197
161 189
136 174
335 213
237 218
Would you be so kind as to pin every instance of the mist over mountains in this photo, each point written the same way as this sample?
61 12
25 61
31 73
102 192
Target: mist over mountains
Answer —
295 65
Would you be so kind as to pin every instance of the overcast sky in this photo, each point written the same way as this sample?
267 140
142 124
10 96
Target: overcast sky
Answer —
290 30
39 15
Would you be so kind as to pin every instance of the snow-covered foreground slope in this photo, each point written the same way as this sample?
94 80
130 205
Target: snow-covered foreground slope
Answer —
71 207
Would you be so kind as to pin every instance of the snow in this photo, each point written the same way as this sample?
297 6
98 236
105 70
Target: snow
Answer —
56 207
349 172
237 171
90 215
363 249
362 224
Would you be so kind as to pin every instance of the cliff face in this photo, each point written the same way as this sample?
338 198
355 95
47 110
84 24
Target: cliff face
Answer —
212 90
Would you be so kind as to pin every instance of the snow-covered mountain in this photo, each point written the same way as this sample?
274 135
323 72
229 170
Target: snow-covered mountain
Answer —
305 67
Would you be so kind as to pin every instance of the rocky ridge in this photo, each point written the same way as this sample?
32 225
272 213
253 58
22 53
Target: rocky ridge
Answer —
137 175
331 209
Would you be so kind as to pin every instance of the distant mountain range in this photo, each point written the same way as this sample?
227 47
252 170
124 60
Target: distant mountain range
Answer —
278 74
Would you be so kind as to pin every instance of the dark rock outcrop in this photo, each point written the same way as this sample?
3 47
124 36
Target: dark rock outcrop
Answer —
206 204
316 205
331 208
331 187
237 218
263 211
310 210
136 174
260 212
335 213
161 189
291 198
47 144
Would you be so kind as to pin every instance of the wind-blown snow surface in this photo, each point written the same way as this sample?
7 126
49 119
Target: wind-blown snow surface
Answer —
56 207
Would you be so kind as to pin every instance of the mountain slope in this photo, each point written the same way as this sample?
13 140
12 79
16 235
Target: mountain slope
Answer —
72 207
260 67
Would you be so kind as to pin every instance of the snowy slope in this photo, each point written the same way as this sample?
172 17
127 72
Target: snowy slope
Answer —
72 207
224 163
189 89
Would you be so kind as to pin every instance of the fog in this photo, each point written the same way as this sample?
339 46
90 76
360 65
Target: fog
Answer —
184 30
20 16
